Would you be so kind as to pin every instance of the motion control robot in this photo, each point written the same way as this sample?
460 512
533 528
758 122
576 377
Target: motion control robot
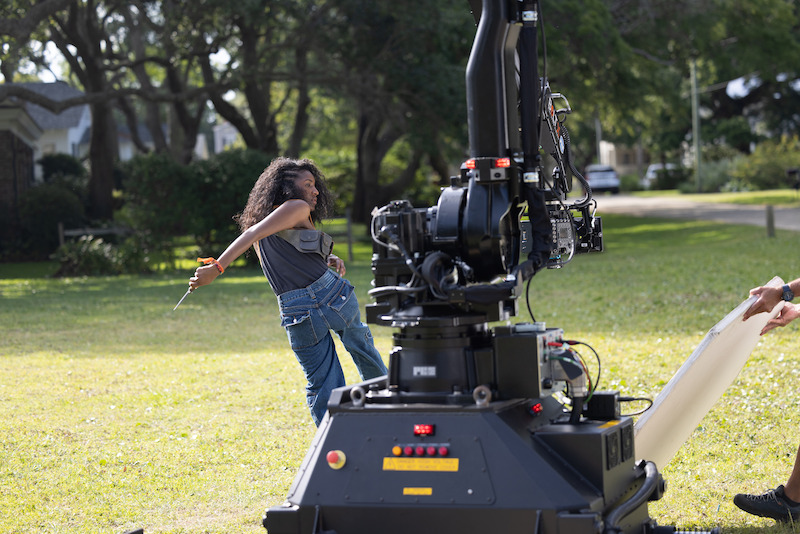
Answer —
480 428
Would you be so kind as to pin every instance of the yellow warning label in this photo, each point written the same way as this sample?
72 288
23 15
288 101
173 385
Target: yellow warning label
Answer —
417 491
610 424
420 464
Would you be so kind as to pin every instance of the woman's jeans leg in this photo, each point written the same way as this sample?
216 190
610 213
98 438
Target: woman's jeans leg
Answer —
343 316
323 373
357 339
308 315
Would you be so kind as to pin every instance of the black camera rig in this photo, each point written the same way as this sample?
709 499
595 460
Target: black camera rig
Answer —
480 426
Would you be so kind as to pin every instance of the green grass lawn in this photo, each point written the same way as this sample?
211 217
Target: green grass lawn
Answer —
775 197
116 412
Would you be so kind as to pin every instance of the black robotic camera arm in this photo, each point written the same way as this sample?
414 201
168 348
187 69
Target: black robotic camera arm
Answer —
509 105
476 234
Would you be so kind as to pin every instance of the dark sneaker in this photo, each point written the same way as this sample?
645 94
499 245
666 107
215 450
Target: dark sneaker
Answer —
771 504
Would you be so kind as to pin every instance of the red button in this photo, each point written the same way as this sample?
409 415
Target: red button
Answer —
420 450
444 451
431 451
336 459
408 451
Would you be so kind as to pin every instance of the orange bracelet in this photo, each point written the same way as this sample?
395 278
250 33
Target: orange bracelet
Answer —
206 261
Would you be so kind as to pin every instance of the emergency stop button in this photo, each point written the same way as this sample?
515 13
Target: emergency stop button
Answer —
336 459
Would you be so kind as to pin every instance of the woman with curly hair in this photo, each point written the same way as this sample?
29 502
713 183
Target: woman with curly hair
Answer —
278 221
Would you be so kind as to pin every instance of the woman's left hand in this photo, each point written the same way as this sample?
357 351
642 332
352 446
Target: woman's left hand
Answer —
337 264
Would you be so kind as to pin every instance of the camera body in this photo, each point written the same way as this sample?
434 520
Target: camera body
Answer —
463 253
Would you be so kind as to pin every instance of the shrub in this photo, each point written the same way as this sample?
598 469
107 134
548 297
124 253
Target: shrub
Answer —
68 172
135 256
56 166
90 256
41 209
87 255
219 190
766 167
11 244
716 177
154 190
163 199
672 178
629 182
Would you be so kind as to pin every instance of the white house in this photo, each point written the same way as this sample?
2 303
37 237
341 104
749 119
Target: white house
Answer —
625 159
224 135
61 132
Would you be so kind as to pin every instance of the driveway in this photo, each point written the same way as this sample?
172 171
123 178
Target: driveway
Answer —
785 218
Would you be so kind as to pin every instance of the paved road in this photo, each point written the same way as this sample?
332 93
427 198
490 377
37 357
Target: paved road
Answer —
785 218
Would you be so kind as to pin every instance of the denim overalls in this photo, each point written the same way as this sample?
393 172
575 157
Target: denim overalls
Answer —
308 315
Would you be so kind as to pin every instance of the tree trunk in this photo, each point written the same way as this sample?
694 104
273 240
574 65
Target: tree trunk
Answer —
303 103
76 37
102 154
376 136
367 171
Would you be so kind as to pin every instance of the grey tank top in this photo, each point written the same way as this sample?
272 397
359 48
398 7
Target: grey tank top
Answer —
286 268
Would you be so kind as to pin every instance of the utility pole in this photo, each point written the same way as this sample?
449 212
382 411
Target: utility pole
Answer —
598 135
695 123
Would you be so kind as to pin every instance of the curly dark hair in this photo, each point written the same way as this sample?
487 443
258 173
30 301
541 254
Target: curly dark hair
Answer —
276 185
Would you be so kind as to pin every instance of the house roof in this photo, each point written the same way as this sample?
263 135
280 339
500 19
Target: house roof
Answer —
19 122
59 91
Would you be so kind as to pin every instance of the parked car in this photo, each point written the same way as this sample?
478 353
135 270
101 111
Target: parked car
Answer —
602 178
651 175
